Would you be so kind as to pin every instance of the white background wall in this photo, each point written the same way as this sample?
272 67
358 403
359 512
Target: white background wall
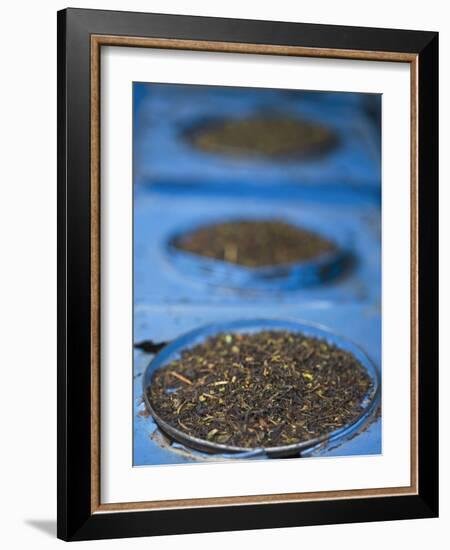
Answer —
28 270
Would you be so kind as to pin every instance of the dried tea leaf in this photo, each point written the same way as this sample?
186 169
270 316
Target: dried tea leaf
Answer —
257 243
273 136
295 388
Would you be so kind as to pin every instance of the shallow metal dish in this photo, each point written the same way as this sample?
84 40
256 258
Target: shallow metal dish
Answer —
290 276
173 350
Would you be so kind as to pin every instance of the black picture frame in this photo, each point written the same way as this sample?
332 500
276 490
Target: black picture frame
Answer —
76 520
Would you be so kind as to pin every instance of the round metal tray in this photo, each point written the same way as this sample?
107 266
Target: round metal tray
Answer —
174 349
290 276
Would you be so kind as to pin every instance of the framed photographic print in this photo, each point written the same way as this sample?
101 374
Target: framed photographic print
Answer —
247 274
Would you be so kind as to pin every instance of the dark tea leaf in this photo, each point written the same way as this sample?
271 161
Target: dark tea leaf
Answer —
272 136
255 243
264 389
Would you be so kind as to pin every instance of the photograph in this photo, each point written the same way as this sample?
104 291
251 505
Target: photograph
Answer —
222 287
256 273
246 274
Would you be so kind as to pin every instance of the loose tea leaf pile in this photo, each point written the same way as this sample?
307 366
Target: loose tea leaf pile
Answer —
279 136
254 243
264 389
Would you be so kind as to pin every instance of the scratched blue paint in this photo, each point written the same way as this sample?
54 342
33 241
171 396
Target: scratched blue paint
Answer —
177 187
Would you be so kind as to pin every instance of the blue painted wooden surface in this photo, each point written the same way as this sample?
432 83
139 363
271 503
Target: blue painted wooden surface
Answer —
176 186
